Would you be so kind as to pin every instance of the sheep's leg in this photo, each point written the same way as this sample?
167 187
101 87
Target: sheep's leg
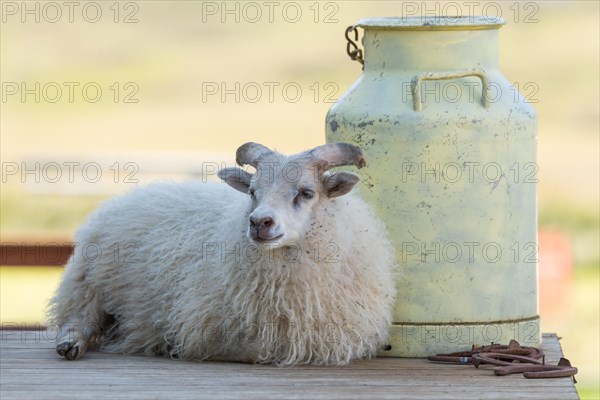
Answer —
82 331
75 340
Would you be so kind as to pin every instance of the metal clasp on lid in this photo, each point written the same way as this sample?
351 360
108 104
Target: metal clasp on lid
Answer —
352 49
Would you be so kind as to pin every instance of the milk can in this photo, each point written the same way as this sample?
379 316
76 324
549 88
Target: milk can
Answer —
451 147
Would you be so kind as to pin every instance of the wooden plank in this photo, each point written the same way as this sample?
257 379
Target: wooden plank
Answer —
30 369
35 253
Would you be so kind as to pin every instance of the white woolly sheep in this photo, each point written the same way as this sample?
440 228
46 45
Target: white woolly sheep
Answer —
281 271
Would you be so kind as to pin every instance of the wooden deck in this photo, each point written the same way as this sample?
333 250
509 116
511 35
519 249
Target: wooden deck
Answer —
30 369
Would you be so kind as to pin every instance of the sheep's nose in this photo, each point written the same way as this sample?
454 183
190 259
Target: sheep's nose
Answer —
262 222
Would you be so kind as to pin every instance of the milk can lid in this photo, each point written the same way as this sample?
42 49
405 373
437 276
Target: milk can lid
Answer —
432 23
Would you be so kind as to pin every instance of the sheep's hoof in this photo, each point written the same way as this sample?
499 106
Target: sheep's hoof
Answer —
69 350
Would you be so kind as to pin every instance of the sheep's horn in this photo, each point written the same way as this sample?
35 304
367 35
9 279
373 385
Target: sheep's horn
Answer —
250 153
334 155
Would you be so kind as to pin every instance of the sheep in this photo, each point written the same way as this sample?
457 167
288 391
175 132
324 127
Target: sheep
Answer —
283 270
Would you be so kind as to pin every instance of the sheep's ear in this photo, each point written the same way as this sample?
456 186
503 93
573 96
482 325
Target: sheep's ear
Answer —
236 178
340 183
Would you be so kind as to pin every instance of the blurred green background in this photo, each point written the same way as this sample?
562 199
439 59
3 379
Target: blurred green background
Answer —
182 83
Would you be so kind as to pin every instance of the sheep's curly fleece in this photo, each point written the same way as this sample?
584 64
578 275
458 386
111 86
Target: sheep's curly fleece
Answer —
167 269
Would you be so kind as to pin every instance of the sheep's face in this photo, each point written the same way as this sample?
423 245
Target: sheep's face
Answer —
284 191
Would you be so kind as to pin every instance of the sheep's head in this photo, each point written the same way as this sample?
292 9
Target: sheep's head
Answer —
284 190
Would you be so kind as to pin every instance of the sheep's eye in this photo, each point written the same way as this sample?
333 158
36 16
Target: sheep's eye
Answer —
303 194
251 193
307 194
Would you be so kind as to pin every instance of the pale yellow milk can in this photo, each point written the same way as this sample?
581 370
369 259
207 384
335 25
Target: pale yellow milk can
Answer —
451 151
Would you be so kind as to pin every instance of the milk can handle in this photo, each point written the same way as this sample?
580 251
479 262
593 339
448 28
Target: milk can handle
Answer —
415 84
